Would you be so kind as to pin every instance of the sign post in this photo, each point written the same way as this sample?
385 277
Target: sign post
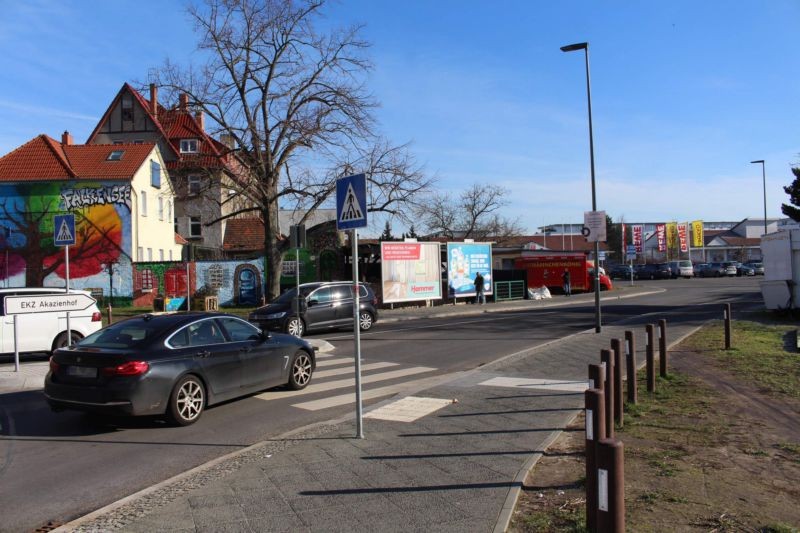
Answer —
351 213
64 235
630 255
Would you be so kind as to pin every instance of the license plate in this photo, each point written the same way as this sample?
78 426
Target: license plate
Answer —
82 371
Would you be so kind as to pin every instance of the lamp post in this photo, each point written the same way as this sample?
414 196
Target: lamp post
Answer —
764 179
585 48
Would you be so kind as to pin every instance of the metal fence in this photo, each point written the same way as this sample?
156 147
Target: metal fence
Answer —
509 290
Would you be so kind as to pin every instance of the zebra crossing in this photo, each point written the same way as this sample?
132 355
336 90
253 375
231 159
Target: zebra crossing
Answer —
337 374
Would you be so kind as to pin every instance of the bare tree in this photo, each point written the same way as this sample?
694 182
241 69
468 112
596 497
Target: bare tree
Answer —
294 102
474 214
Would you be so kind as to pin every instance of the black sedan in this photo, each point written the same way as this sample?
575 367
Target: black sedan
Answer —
174 365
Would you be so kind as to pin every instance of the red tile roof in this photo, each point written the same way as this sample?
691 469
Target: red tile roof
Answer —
243 235
44 159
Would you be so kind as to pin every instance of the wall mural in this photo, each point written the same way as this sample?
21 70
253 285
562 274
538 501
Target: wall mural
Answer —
103 229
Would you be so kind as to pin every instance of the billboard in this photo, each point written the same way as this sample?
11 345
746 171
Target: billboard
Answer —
464 261
410 271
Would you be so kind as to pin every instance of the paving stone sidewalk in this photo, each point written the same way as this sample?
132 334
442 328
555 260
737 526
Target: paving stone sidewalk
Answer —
458 468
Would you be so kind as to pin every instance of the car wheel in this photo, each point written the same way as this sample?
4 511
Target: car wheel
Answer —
295 326
365 321
300 373
187 401
61 340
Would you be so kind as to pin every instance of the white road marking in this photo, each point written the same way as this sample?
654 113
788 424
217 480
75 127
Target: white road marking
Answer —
547 384
342 383
350 369
408 409
350 398
337 361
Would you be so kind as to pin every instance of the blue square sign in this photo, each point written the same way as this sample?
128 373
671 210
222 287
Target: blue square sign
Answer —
351 202
64 230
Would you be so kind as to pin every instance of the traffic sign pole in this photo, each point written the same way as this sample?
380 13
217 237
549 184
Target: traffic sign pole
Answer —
16 347
357 338
69 329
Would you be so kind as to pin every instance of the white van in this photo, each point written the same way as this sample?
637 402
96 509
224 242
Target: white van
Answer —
47 330
681 269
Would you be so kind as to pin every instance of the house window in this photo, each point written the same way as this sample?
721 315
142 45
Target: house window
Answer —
175 224
188 146
169 213
144 203
147 279
127 107
194 184
155 174
170 255
138 141
140 254
115 155
160 254
160 208
194 227
149 254
116 143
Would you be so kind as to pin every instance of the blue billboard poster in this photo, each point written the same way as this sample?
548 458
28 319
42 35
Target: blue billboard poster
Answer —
464 262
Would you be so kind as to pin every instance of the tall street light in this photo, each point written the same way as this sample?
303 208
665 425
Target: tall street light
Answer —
585 48
764 178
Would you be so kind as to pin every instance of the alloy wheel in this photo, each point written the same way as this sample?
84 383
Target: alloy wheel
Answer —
365 321
301 371
189 400
295 327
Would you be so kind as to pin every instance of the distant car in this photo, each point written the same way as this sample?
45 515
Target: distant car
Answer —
620 272
323 305
757 266
745 270
653 271
175 364
713 270
681 269
731 268
44 331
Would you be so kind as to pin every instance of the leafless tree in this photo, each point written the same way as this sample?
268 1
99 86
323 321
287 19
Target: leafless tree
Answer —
474 214
294 102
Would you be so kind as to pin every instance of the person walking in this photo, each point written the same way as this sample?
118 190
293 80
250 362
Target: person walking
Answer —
567 286
479 296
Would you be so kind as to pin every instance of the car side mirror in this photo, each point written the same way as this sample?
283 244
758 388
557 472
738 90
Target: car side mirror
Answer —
264 335
311 302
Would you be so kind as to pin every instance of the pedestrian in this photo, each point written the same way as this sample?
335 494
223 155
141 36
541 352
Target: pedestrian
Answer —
479 296
567 286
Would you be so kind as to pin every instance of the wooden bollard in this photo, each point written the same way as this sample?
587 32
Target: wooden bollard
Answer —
630 364
596 377
726 313
662 347
651 367
595 432
610 486
605 357
616 352
110 317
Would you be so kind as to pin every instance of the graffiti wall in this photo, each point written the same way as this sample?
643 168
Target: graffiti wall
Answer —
103 231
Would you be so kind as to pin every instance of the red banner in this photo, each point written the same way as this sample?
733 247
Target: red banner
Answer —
399 251
683 234
661 235
637 238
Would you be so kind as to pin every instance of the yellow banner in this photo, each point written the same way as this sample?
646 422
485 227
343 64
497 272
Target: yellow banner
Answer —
697 233
672 235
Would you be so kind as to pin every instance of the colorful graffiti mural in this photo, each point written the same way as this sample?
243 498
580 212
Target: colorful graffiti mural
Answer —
103 229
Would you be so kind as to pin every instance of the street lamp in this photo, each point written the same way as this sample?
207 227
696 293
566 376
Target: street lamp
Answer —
764 179
585 48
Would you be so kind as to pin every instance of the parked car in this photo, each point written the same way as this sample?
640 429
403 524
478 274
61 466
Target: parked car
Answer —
681 269
620 272
653 271
175 364
322 305
757 266
44 331
712 270
731 268
744 270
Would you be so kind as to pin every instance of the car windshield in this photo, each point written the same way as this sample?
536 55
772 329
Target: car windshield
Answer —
126 334
291 294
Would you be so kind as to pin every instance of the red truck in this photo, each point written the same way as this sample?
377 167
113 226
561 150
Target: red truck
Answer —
547 269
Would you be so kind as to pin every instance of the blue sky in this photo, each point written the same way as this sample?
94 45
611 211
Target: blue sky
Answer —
684 93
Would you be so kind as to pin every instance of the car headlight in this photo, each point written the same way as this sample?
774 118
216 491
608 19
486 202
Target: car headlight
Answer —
273 316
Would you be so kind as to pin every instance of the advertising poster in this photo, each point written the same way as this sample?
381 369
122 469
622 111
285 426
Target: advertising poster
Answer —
410 271
672 235
697 233
637 238
683 238
464 261
661 235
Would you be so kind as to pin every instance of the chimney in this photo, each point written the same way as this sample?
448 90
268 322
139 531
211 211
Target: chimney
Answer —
66 139
153 99
184 102
227 140
198 116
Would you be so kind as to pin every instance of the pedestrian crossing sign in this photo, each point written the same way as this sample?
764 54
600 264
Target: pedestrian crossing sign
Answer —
351 202
64 230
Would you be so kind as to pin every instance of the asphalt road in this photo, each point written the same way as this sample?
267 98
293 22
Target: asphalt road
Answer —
56 467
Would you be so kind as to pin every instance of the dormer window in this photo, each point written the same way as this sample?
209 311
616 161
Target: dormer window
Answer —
188 146
115 155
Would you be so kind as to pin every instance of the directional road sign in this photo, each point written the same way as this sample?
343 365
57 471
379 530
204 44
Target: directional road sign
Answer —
351 202
20 305
64 230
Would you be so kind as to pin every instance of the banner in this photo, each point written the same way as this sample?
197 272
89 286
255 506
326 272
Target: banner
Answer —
672 235
661 235
683 238
464 261
410 271
623 238
637 238
697 234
